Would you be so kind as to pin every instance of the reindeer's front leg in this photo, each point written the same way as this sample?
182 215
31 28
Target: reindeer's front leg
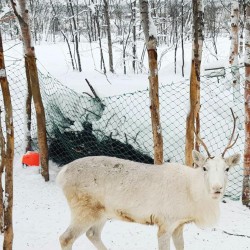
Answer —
164 238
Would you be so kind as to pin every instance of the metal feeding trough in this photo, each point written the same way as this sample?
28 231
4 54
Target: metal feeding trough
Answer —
31 158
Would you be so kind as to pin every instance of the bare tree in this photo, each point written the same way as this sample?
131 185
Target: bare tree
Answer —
182 37
76 18
110 51
133 8
2 162
151 43
234 49
65 37
28 110
241 25
246 177
192 122
125 41
75 35
7 151
97 22
30 62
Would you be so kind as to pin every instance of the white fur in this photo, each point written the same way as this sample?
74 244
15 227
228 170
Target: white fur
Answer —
170 195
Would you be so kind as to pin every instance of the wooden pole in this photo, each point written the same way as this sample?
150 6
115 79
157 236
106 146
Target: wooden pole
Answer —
151 44
246 176
32 73
9 155
234 50
193 115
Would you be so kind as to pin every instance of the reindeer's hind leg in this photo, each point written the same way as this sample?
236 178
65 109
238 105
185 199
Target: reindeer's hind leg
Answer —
85 213
77 228
94 235
178 238
71 234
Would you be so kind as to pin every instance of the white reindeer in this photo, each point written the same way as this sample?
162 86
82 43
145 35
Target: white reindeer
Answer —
171 195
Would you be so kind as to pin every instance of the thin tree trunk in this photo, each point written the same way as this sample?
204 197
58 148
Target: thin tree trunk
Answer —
8 161
197 131
99 38
182 37
2 163
241 43
124 46
133 6
241 26
123 59
89 26
151 42
75 33
77 21
70 52
30 59
246 177
72 35
65 37
40 115
93 26
106 12
234 50
193 117
28 111
70 24
176 46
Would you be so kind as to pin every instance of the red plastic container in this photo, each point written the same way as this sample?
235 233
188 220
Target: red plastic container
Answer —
31 158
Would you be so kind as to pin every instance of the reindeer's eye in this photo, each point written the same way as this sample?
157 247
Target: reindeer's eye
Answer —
204 169
227 169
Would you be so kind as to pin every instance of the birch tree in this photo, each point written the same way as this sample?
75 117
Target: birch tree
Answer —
64 35
151 43
234 49
192 122
133 10
182 37
32 78
110 51
75 36
2 162
241 26
98 27
7 152
246 177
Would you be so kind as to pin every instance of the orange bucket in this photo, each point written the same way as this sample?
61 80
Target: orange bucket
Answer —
31 158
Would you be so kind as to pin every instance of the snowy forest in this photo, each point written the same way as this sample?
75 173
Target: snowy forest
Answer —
147 81
118 23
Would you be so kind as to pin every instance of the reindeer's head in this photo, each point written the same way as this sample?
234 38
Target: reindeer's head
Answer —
215 169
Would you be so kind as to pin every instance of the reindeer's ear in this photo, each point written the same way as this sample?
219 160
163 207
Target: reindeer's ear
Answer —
198 158
233 160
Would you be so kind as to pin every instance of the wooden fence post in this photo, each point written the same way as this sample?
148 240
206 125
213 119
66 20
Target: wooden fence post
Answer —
151 43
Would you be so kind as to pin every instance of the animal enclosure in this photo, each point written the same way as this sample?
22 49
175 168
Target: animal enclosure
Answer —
79 125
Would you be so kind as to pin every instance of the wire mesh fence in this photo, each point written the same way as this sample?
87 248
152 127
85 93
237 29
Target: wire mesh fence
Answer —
79 125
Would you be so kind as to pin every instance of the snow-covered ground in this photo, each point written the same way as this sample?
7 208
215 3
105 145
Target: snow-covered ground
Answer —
40 210
41 214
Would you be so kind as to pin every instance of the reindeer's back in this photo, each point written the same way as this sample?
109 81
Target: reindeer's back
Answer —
104 176
97 170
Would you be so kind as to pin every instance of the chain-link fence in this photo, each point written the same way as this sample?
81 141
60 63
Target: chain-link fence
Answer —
79 125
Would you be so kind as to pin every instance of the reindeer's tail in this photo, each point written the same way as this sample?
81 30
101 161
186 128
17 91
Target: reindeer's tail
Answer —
61 177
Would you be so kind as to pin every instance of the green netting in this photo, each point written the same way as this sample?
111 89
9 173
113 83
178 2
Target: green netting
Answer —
79 125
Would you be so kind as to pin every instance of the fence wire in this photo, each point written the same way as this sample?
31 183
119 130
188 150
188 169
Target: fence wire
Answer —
79 125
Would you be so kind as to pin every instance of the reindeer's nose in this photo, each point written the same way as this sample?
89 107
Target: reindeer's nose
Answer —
217 188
